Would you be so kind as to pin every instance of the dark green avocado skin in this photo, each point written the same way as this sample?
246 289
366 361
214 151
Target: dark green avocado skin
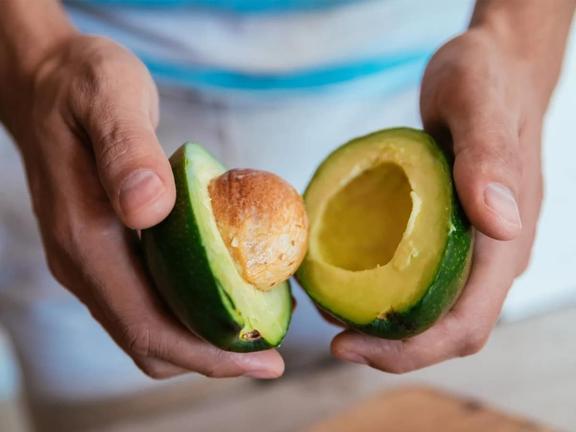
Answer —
451 274
181 272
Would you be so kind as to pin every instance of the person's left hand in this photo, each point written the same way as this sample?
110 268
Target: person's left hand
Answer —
481 100
84 119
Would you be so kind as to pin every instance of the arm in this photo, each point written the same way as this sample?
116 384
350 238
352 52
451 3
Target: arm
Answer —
83 113
485 93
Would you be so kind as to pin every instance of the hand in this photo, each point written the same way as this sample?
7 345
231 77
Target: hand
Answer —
482 99
85 120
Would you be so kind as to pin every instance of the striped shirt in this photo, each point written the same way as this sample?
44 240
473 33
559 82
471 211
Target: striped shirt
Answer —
278 45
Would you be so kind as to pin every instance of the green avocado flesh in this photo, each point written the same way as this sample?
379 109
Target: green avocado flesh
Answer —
195 274
390 246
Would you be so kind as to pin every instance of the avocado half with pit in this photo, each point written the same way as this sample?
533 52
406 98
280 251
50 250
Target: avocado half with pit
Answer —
390 246
194 270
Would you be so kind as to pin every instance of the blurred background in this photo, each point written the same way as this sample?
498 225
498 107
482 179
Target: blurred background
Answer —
62 367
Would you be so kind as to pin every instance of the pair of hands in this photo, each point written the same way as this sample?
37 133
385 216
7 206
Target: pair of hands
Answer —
84 120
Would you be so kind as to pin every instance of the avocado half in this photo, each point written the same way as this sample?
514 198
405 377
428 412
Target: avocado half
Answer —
390 247
195 274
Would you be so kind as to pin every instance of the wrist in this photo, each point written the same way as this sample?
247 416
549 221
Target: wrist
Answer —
528 35
498 27
27 38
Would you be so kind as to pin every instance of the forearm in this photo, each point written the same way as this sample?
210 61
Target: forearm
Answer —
532 31
29 32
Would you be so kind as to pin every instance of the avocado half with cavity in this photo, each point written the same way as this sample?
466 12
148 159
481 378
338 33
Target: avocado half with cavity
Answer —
206 258
390 247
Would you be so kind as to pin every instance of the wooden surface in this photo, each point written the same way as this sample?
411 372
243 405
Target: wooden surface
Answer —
421 409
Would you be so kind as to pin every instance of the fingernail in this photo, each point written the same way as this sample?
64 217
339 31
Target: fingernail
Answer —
139 188
501 199
261 374
352 357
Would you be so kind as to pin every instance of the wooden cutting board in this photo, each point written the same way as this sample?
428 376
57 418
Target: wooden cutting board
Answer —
421 409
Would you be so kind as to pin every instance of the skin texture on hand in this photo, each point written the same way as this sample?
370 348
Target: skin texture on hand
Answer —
85 125
485 103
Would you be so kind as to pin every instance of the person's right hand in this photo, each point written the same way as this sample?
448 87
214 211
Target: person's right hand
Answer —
84 120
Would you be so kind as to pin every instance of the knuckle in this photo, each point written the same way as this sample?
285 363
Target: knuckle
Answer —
63 251
399 368
57 268
493 152
215 367
137 340
66 239
116 150
98 64
153 369
461 93
401 362
407 364
90 81
210 372
461 89
523 263
154 373
472 342
101 71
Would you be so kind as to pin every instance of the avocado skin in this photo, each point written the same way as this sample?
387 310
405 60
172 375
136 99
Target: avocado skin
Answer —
451 273
177 261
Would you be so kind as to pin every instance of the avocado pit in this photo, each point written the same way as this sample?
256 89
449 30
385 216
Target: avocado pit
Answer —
263 223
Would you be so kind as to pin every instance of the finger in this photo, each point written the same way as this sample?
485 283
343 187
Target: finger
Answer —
132 166
487 171
463 331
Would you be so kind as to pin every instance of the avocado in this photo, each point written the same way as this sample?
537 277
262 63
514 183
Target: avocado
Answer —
194 272
390 246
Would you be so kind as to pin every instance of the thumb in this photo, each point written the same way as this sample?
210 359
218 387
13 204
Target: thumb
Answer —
133 169
487 172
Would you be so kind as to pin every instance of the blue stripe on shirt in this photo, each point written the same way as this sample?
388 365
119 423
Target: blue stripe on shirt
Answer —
241 6
406 66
